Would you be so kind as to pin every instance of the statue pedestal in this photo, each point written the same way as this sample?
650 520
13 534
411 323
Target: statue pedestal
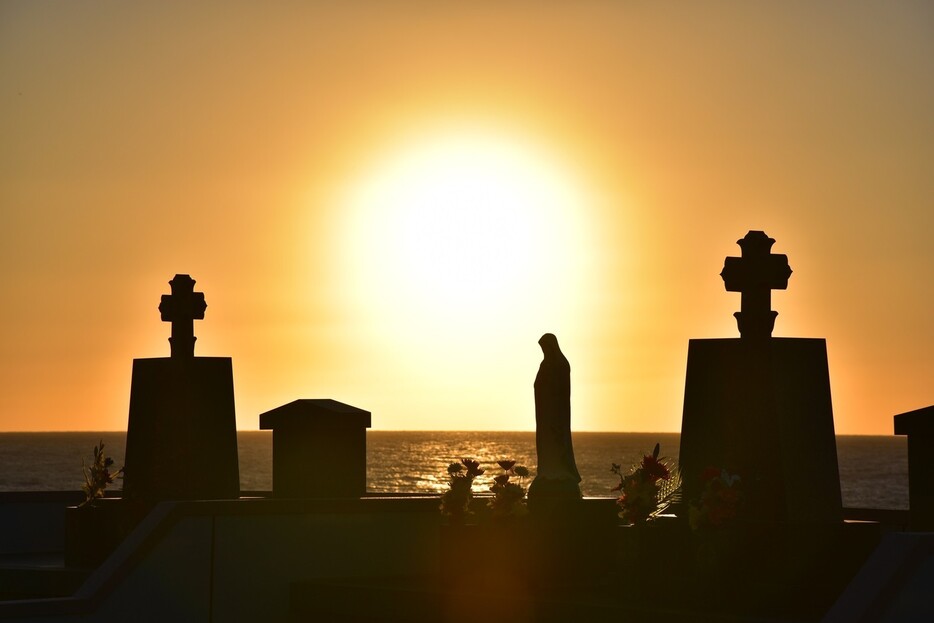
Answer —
548 496
761 408
182 431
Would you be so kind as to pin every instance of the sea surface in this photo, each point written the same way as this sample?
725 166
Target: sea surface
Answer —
873 469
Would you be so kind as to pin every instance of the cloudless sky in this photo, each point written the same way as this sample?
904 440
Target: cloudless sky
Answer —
387 203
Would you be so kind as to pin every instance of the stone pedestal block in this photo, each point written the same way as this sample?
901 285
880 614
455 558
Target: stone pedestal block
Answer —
182 431
919 426
93 531
318 449
761 408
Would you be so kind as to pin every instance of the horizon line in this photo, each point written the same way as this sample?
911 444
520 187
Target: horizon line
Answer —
425 430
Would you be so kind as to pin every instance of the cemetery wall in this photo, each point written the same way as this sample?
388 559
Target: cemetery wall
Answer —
236 560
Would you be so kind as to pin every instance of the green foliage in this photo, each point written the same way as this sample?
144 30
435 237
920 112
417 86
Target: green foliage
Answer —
98 476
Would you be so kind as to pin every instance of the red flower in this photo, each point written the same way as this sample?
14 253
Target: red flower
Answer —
728 495
502 479
506 465
719 501
655 469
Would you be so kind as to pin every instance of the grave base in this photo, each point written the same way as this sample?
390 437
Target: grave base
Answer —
92 532
762 409
182 432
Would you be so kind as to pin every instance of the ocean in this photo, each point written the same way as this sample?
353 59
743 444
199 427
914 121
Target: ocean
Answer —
873 469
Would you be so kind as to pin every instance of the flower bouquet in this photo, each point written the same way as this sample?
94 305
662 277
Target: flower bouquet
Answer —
648 489
718 548
718 502
455 502
98 476
508 494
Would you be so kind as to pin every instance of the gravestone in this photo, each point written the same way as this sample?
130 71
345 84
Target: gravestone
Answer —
182 431
918 425
760 406
318 449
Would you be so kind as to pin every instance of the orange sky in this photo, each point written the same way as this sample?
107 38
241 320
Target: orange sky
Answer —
238 142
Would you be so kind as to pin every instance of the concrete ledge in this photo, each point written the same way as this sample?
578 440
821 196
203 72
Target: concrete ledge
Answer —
191 538
893 585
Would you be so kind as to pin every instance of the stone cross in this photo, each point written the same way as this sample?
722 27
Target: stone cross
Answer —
182 308
755 275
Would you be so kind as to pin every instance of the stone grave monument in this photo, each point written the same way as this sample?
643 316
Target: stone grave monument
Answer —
182 431
759 406
318 449
918 425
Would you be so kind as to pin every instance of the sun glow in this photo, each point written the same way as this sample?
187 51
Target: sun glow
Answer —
465 223
466 229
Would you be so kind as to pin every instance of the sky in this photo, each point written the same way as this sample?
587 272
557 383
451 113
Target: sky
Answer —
388 203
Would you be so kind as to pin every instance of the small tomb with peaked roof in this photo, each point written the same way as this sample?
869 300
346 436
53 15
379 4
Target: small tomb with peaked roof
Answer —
312 440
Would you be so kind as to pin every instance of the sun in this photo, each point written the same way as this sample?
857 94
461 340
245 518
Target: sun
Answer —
464 235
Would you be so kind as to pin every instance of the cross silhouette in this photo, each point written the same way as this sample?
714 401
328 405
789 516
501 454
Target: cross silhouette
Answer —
755 275
182 308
